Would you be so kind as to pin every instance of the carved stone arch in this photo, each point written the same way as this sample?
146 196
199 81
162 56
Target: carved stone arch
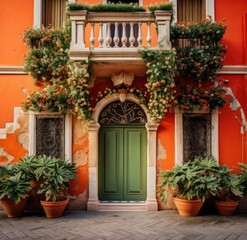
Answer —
114 97
93 128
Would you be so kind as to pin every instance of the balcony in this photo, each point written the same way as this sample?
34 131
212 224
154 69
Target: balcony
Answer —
112 39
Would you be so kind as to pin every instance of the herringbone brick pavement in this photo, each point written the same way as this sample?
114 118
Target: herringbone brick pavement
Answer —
161 225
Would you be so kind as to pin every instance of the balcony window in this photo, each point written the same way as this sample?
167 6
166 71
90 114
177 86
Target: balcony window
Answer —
53 13
188 10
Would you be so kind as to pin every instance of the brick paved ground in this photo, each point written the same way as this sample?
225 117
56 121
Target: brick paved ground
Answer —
124 225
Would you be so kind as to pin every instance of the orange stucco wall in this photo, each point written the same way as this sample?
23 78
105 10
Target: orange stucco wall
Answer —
12 95
233 13
232 144
15 16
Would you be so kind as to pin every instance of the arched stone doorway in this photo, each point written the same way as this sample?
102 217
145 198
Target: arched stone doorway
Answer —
150 203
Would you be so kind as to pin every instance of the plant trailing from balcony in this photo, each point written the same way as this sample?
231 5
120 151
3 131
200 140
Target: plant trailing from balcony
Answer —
202 54
78 89
160 83
199 57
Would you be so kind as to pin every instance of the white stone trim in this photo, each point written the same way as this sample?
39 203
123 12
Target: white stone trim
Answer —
93 129
37 13
6 70
93 200
179 135
227 69
67 133
11 127
68 137
233 69
209 9
152 204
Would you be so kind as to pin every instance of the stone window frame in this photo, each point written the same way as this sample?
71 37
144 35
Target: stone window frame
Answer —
67 133
179 134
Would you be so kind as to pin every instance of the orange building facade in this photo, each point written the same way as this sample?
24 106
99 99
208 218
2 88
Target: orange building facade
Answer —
162 143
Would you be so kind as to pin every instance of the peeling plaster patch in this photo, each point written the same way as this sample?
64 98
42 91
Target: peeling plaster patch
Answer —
23 135
79 130
23 121
78 203
10 128
80 158
23 139
6 155
161 151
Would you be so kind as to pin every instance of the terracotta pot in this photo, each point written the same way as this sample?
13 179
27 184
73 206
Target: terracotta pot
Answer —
188 208
226 208
12 209
54 209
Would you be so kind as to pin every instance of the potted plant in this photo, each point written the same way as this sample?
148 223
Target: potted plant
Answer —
54 175
190 184
231 189
14 190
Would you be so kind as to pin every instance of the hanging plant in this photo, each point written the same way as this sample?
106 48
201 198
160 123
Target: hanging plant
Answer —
202 53
78 89
192 98
47 54
160 83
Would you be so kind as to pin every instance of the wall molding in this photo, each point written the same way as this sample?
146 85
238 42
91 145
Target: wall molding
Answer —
12 70
227 69
233 69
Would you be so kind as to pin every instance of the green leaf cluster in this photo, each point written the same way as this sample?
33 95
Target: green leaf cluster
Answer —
14 182
243 176
111 7
166 6
198 179
53 175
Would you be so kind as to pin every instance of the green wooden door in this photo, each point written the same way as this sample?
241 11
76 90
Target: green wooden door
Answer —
122 163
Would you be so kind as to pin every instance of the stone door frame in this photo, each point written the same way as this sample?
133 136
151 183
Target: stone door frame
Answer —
93 130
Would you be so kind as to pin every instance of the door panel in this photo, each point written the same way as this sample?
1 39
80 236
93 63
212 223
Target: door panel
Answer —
110 164
135 164
122 163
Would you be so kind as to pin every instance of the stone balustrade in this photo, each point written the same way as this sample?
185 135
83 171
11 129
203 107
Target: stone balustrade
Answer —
117 35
